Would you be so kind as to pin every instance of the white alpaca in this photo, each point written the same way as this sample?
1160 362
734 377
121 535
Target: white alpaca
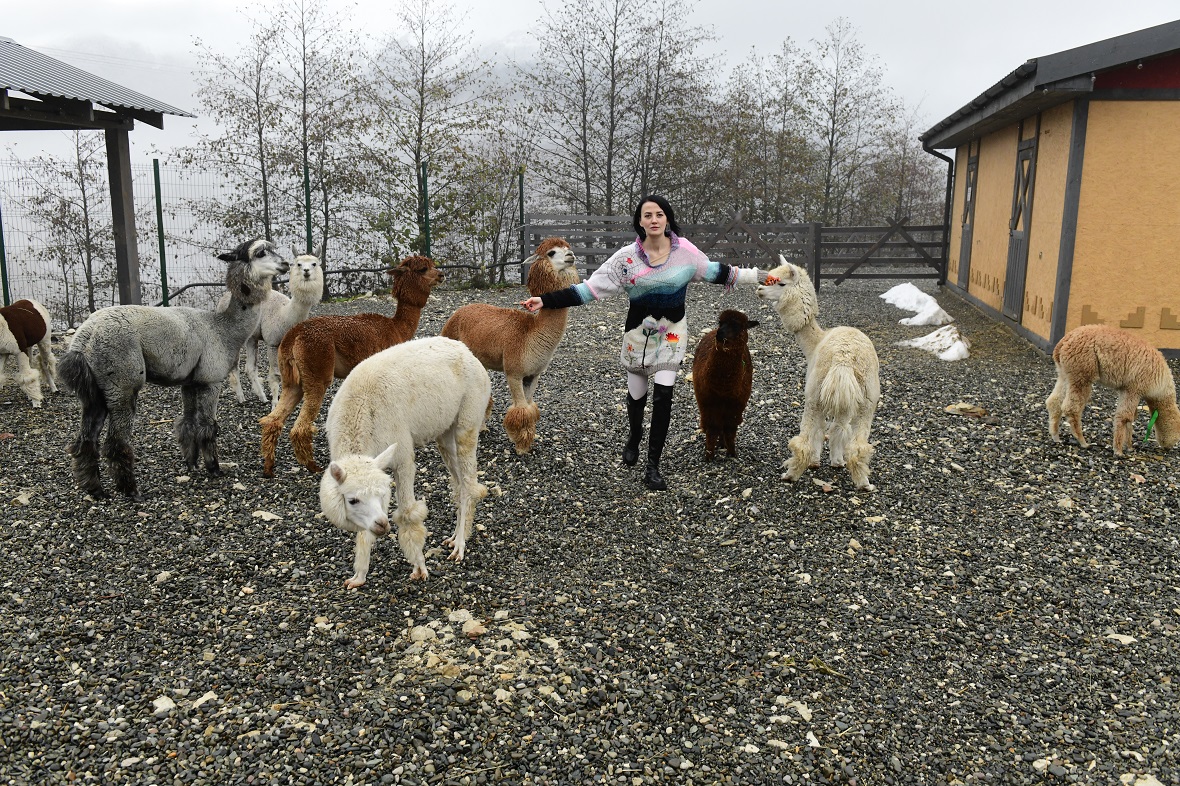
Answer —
431 389
278 314
842 387
25 325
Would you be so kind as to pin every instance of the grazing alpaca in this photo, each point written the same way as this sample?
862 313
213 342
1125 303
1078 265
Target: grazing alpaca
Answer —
119 349
322 348
722 378
24 325
278 314
519 344
1118 360
432 389
842 386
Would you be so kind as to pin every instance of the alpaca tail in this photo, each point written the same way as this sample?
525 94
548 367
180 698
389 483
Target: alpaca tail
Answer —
840 394
74 374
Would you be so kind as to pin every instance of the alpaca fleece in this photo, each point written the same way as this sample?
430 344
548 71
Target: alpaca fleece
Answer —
722 379
428 390
119 349
320 349
519 344
842 385
24 326
1119 360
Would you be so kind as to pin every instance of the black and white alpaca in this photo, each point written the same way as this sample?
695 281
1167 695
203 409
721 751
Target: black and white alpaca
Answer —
119 349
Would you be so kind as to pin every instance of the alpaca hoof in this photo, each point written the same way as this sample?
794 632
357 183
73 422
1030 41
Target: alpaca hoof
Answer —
419 573
355 582
314 468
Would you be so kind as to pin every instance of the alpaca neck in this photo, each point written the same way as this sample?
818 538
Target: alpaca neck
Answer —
552 320
407 316
809 337
237 321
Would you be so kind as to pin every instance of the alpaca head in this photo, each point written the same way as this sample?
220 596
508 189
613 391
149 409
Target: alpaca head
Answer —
553 267
413 279
354 492
252 265
1167 425
734 326
789 289
306 268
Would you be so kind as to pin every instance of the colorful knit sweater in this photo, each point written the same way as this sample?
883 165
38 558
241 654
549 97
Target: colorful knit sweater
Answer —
658 291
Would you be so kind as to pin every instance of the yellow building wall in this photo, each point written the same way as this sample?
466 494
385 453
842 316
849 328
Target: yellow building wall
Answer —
954 244
993 210
1127 251
1044 238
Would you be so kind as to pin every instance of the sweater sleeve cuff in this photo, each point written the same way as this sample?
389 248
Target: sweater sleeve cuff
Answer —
561 298
750 276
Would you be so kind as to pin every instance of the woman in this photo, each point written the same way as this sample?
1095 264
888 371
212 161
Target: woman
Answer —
654 272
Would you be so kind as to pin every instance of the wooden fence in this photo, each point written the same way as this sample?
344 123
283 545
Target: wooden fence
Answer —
829 253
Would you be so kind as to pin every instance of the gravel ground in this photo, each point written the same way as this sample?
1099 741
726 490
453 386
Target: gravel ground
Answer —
1000 610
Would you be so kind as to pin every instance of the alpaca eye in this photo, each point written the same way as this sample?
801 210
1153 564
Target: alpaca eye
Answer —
353 501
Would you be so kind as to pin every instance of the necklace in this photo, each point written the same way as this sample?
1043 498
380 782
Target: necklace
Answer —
654 260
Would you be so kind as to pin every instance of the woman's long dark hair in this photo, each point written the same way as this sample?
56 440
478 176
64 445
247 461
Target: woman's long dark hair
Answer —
663 203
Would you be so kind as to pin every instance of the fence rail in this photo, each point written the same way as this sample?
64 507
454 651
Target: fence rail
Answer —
833 253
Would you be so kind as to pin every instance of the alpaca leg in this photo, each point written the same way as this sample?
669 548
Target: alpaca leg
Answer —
521 424
710 440
117 449
1076 398
272 426
235 381
84 449
360 559
251 349
1124 419
729 435
839 441
185 428
48 364
1053 405
467 489
860 450
273 379
28 379
410 515
206 420
806 447
303 432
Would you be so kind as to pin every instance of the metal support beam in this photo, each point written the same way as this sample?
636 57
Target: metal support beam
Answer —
123 215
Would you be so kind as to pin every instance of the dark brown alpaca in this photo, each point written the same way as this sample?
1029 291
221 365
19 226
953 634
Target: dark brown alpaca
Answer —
319 349
519 344
722 377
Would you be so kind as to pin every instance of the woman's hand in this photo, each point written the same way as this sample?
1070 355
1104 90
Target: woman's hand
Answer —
532 305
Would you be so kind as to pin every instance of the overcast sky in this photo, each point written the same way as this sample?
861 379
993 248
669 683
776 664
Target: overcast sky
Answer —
936 61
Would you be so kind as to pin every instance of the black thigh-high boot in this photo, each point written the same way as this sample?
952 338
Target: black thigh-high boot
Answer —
661 416
635 408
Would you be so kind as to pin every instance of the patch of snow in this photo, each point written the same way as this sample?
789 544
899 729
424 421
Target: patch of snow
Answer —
908 297
946 342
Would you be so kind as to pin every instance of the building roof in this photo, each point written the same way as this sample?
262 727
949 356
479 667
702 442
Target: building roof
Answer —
65 95
1044 82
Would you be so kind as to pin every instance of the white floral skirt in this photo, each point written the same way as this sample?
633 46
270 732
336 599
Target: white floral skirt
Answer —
656 345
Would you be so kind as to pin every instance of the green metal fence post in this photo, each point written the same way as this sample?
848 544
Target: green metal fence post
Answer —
523 251
4 264
307 204
160 232
425 211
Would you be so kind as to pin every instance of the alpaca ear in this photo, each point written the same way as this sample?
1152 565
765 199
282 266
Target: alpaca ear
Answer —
384 459
228 256
531 259
337 472
753 323
782 260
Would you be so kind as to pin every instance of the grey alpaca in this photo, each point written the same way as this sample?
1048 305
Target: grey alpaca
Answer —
119 349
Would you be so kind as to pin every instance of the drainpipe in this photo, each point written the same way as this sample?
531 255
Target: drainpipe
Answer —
946 209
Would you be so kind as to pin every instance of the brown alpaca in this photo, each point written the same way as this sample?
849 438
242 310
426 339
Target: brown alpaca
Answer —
519 344
316 350
722 378
24 325
1118 360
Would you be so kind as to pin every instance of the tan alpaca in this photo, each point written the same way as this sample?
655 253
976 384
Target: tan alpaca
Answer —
519 344
1118 360
316 350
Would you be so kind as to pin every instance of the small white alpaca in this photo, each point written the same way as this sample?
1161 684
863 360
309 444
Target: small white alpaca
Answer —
1118 360
431 389
843 384
278 314
119 349
25 325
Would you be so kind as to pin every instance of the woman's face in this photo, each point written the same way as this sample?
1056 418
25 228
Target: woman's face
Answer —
652 219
